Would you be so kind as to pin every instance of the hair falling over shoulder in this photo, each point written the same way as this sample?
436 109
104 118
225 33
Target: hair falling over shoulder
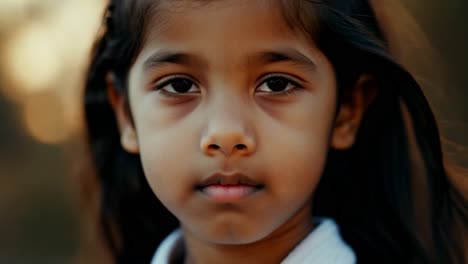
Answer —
390 193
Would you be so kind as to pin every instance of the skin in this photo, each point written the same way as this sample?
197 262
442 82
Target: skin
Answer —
186 137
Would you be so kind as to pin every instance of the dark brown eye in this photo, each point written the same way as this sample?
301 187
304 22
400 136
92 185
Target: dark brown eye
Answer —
182 85
177 86
277 84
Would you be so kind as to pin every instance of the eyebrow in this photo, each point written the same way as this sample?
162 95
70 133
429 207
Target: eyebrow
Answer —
162 57
284 55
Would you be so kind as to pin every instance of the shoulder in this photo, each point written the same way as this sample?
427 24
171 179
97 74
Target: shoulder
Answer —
167 249
323 245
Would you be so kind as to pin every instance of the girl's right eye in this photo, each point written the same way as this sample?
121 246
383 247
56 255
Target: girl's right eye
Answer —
177 86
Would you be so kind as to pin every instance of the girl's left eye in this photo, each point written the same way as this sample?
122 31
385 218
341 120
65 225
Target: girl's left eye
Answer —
177 86
278 85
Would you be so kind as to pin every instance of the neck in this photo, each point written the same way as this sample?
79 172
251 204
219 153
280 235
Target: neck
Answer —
271 249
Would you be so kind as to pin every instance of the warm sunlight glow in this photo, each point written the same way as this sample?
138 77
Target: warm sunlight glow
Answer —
48 54
73 33
44 119
32 59
11 11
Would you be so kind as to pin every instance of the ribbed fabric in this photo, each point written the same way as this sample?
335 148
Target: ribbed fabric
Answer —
323 245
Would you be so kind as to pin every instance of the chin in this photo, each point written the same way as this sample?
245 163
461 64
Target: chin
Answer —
236 234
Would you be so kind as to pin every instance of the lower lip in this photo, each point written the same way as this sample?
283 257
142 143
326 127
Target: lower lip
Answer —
229 193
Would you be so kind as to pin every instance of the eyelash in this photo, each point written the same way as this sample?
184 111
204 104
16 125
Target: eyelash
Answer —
169 94
165 93
289 92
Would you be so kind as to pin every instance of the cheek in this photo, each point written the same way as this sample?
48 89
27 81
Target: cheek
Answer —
297 163
166 150
297 147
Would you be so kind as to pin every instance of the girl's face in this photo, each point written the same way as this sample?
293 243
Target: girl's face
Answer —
227 88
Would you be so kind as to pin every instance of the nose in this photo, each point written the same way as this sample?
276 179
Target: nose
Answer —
227 143
228 133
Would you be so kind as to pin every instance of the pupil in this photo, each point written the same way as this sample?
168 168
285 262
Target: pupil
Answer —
182 85
277 84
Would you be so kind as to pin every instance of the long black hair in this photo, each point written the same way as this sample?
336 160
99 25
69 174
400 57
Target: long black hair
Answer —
387 210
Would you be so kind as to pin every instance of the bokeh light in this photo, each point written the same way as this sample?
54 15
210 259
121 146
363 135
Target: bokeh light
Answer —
48 55
45 120
32 59
11 11
44 51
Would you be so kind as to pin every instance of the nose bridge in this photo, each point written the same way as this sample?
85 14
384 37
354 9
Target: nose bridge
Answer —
227 112
228 128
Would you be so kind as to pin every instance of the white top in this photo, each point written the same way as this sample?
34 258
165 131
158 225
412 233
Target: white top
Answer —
323 245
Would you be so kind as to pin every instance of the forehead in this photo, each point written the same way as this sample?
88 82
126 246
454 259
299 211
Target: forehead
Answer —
231 24
186 16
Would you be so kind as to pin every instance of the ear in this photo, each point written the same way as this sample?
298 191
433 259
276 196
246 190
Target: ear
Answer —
128 136
350 114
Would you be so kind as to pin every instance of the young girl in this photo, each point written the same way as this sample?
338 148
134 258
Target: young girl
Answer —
237 131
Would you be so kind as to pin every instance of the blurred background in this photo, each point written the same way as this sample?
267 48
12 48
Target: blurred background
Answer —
44 51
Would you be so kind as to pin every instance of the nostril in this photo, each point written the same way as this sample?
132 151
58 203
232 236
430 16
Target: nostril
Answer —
213 146
240 146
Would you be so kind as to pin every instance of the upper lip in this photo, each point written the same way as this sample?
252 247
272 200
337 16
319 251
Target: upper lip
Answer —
228 179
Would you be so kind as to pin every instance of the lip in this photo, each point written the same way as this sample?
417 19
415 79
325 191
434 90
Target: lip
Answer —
228 188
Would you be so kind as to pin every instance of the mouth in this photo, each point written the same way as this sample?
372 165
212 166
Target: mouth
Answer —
224 188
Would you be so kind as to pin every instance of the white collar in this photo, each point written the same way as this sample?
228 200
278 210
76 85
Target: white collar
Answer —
323 245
